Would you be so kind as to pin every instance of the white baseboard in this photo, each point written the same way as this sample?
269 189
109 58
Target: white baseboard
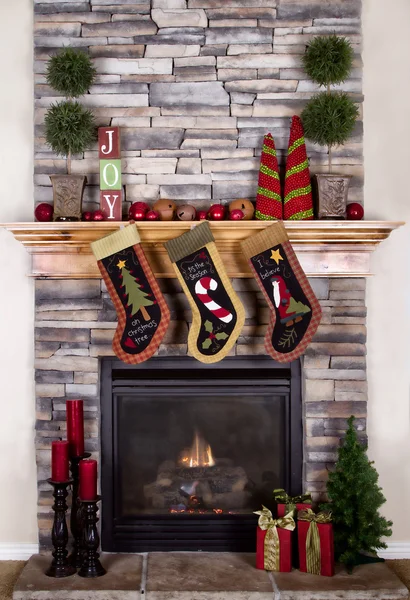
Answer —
17 551
396 550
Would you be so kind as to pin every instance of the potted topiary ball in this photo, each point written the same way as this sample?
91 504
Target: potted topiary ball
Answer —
69 127
329 117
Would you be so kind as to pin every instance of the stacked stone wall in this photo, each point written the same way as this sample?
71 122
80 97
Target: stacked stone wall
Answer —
75 324
194 86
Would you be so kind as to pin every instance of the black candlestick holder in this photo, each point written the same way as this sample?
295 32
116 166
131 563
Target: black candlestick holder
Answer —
60 567
91 566
76 518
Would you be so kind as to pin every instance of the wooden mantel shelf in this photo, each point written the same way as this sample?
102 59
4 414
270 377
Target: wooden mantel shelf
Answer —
324 248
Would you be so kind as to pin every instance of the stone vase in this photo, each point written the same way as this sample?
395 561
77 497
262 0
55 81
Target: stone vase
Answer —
332 193
68 196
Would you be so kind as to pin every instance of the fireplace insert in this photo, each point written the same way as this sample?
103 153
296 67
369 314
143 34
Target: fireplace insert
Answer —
189 450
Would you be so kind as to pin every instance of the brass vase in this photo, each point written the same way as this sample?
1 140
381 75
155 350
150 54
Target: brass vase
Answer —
332 193
68 196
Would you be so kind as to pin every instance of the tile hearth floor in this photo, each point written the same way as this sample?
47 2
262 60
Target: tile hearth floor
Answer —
204 576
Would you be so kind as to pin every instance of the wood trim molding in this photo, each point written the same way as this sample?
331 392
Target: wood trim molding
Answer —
324 248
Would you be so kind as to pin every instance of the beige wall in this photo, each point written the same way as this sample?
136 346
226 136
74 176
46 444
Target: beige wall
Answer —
387 161
387 196
17 465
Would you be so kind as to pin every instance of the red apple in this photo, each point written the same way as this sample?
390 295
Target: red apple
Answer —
354 211
152 215
201 215
216 212
137 213
87 215
98 215
141 205
44 212
236 214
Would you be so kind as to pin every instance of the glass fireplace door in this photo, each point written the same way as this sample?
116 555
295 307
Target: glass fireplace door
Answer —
189 451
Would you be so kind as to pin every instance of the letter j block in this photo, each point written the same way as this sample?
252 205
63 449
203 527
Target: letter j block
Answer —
110 174
109 142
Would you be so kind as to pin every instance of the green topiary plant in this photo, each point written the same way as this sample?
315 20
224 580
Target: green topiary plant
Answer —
69 127
329 117
355 498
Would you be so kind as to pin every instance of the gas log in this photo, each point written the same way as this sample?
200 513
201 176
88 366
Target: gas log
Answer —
221 486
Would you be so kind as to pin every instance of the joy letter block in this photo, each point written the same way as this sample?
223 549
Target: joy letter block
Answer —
111 204
110 172
109 142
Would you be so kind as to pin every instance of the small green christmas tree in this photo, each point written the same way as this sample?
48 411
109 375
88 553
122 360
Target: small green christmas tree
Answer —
137 299
355 499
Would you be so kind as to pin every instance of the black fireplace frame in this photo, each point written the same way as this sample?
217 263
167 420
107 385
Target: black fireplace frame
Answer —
216 533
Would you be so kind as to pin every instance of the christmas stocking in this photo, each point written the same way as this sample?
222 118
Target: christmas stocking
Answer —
143 316
298 202
268 200
295 310
218 315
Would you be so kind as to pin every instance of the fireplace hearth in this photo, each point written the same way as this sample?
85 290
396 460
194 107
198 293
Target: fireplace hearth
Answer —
189 451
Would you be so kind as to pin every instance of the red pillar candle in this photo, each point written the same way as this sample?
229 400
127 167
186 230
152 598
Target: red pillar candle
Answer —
88 479
75 426
59 461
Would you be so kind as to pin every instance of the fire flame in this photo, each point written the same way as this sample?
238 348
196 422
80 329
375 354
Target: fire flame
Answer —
199 455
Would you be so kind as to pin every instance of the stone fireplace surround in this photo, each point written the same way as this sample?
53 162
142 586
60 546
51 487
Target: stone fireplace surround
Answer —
74 327
75 323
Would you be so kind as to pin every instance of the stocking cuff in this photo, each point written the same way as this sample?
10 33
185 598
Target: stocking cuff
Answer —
271 236
110 244
189 242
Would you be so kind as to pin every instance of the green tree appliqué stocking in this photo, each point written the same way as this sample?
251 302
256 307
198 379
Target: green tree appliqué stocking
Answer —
143 316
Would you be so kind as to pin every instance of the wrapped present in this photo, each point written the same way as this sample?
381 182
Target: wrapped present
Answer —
273 541
315 541
287 504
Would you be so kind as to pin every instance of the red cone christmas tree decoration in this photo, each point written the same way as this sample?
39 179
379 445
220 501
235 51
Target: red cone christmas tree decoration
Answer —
298 203
269 200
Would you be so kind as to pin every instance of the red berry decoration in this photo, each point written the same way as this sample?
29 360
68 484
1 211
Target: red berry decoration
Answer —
152 215
98 215
354 211
137 213
44 212
236 214
201 214
87 215
216 212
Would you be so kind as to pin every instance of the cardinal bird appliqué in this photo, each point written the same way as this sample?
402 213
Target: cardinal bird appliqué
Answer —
290 310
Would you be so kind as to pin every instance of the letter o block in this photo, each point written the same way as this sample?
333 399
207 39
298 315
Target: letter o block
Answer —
110 174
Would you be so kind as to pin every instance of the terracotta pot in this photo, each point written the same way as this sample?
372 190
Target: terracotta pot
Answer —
68 196
331 195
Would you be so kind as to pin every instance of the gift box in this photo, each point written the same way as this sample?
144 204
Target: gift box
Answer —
286 503
315 542
274 542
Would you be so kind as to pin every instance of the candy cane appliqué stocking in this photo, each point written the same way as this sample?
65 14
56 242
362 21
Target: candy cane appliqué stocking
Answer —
217 313
201 289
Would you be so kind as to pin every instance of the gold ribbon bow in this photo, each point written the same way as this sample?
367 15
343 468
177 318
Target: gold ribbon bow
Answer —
271 548
313 558
281 497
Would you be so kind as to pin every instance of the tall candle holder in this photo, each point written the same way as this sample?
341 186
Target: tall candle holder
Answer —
60 567
91 566
76 517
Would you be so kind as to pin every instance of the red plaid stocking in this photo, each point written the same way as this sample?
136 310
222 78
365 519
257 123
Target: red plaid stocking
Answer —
143 315
296 313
